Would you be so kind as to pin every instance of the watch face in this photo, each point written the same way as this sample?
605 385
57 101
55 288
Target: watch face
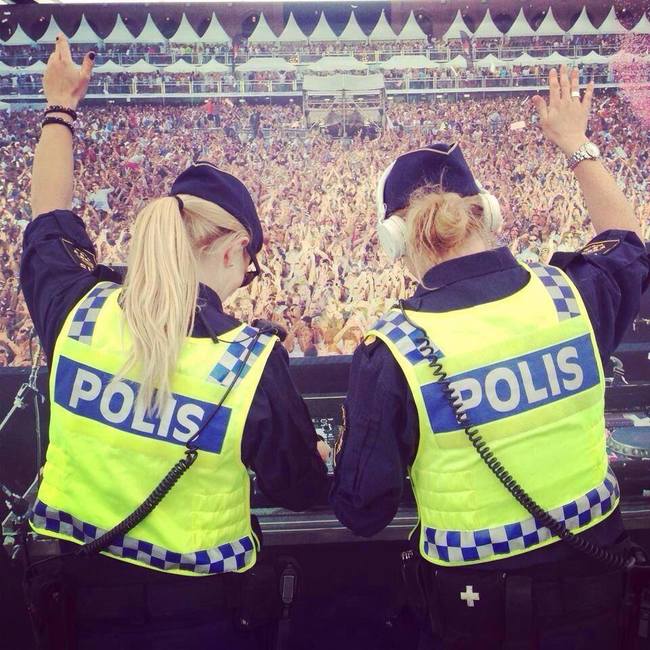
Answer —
592 149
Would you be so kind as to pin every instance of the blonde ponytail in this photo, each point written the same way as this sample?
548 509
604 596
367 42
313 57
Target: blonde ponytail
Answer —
161 286
438 222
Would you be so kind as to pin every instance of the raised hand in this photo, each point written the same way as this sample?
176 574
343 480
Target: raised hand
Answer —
65 83
564 119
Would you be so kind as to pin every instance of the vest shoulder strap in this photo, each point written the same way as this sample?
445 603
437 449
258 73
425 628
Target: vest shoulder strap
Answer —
85 314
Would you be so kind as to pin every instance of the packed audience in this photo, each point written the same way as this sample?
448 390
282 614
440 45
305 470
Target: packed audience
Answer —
324 276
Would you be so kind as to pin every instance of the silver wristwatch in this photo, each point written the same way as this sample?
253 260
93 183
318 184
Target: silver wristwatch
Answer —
588 151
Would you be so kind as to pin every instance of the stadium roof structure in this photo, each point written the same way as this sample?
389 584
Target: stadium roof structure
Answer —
109 67
594 58
215 33
352 31
642 27
52 31
84 33
185 32
266 64
19 37
339 82
549 26
262 32
523 59
5 106
487 28
180 66
119 33
334 63
583 26
6 69
454 30
150 33
411 30
323 33
38 67
382 31
611 24
292 32
459 61
213 66
555 59
141 66
490 61
520 28
409 62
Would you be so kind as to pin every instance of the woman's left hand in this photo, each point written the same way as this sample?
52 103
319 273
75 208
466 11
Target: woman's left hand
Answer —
64 83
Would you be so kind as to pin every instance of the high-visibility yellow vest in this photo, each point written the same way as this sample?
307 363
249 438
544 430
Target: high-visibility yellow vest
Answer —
529 374
106 455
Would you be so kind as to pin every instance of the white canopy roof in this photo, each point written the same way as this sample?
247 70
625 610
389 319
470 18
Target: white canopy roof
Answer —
323 32
265 64
262 32
642 27
5 106
458 61
212 66
142 66
52 31
38 67
19 38
292 32
611 24
524 59
583 26
487 28
411 30
521 27
185 32
119 33
490 61
352 31
555 59
408 62
594 58
150 33
109 67
215 33
382 31
549 26
6 69
181 66
456 27
84 33
337 82
332 63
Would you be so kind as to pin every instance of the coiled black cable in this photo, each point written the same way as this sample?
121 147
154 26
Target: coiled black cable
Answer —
558 528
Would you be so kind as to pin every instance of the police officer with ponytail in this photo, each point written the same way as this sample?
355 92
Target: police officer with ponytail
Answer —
160 402
486 388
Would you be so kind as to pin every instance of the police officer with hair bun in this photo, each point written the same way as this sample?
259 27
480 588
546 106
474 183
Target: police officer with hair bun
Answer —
486 388
160 402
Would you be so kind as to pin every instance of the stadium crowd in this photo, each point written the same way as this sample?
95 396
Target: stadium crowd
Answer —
324 276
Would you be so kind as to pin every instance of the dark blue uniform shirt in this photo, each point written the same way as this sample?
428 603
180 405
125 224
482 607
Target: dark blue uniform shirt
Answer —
382 433
279 441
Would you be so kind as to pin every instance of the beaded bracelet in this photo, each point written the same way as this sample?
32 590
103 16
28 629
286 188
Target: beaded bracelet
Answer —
56 108
58 120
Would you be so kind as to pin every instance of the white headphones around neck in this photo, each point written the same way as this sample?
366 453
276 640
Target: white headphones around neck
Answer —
391 229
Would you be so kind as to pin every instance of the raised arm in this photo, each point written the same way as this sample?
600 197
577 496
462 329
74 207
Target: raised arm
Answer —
564 122
64 84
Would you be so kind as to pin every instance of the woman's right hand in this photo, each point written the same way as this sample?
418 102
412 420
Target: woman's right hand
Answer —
564 119
64 83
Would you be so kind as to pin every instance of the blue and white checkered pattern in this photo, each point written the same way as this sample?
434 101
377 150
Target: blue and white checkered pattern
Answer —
406 337
558 288
235 355
87 312
219 559
471 545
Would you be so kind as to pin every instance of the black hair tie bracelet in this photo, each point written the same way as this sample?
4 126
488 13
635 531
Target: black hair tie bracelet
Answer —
58 120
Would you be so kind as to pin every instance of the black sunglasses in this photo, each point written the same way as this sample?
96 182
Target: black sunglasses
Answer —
249 276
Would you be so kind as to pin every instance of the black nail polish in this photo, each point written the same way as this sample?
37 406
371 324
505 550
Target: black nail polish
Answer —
92 56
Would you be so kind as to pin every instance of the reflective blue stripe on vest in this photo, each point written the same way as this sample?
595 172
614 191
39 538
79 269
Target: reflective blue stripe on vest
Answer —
558 288
468 545
407 338
236 354
219 559
85 316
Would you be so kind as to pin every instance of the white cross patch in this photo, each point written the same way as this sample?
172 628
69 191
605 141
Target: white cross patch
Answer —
469 596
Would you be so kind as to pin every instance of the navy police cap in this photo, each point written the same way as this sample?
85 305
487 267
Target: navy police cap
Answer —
438 164
206 181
